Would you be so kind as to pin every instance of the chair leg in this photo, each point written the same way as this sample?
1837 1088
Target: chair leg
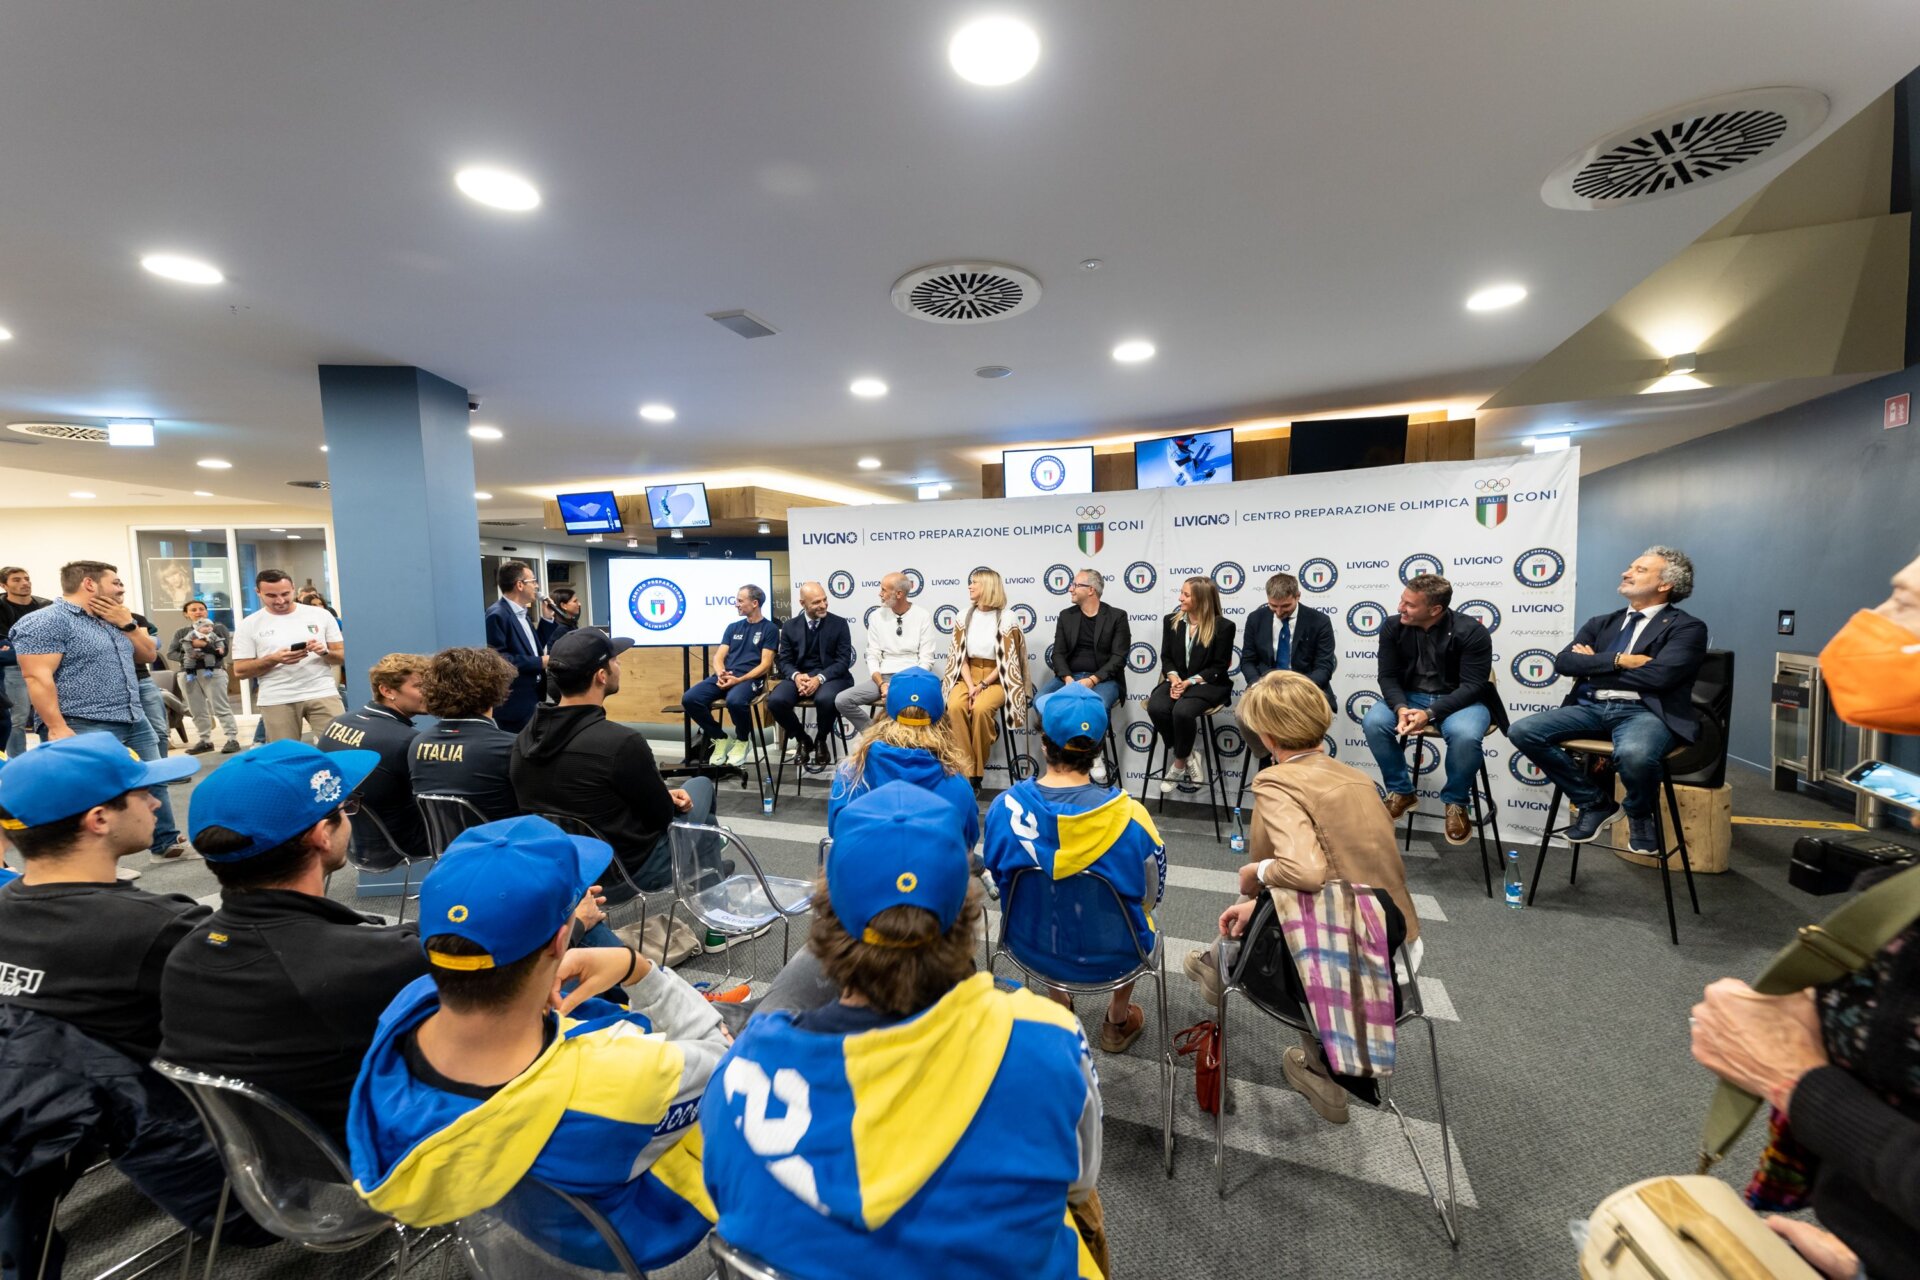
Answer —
1480 821
1546 834
1166 1056
1666 880
1220 1105
1216 788
406 882
1680 838
219 1221
1449 1211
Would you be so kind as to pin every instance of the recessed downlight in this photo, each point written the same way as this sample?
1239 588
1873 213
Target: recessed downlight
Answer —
80 493
1495 297
293 537
993 51
323 448
215 464
867 388
993 371
764 528
868 464
203 493
481 495
654 411
497 188
485 433
1133 351
276 530
174 266
6 335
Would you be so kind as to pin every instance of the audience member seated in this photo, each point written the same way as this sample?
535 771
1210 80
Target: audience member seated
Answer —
572 760
1196 652
913 744
385 727
815 661
1064 823
1314 820
923 1115
744 656
283 986
76 942
1436 667
466 753
1633 672
477 1078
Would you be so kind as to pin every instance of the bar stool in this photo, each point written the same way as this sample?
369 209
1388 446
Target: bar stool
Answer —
1016 766
1485 812
762 760
837 742
1216 786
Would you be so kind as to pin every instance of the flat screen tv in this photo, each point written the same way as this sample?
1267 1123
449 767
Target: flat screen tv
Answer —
1034 473
1346 444
1205 457
590 512
678 506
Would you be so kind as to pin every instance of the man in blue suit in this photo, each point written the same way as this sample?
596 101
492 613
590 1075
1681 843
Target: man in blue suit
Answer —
1634 670
1285 637
523 645
815 661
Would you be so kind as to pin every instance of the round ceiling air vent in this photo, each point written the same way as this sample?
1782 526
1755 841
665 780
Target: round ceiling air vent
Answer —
1684 148
60 431
310 484
966 292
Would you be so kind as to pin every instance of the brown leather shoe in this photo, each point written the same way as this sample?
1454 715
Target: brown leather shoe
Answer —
1397 805
1459 826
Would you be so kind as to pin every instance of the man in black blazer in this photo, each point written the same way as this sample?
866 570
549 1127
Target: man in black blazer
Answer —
1090 643
1634 670
1285 637
815 660
1436 667
522 644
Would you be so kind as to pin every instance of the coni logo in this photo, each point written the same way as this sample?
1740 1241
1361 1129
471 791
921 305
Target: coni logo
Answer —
1229 577
1140 576
839 584
1318 574
1366 618
1534 668
1359 704
1141 658
1024 615
1540 567
1058 579
1525 770
1484 612
1140 735
657 604
915 583
1418 563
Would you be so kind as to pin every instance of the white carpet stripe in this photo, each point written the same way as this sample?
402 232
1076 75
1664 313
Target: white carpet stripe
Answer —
1428 908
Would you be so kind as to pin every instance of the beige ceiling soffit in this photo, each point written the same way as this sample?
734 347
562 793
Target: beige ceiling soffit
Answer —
1848 176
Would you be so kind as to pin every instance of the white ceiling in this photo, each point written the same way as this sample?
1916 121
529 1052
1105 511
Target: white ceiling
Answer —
1291 199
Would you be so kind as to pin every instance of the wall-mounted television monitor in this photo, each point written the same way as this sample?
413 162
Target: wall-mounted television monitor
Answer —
1346 444
678 506
589 512
1037 473
1205 457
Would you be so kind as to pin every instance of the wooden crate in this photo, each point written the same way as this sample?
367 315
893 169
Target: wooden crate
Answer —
1708 818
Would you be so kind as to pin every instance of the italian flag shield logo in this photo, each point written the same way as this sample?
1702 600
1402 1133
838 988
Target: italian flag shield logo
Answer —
1092 538
1490 510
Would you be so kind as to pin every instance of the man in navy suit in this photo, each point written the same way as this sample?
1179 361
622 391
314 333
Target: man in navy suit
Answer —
1634 669
815 661
523 645
1285 637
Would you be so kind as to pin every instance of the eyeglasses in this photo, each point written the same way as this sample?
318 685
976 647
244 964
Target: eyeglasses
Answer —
899 625
351 807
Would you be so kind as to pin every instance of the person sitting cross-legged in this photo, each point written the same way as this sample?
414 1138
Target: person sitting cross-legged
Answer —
484 1073
1064 823
924 1122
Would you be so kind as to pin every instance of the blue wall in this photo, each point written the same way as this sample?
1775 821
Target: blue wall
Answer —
1810 509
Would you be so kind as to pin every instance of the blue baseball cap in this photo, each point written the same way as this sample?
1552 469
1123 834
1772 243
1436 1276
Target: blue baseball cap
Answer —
274 792
913 693
508 887
1073 711
71 776
896 846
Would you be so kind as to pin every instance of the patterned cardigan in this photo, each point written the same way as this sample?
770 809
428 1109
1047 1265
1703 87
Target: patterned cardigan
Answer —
1010 662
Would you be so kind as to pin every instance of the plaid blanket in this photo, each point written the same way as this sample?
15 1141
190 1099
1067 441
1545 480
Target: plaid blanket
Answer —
1338 941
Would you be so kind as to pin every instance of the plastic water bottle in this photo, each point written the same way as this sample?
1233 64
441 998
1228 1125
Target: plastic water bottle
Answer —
1238 840
766 800
1516 892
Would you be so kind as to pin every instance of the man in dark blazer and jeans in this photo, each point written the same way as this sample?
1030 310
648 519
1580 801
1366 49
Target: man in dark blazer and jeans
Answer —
522 644
1634 670
1090 644
1436 667
815 661
1285 637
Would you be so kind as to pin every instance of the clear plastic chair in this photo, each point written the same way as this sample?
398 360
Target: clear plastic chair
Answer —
734 906
625 887
288 1175
737 1264
1293 1014
534 1234
1080 925
446 817
375 849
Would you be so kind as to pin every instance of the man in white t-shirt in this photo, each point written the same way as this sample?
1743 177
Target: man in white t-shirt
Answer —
900 635
292 649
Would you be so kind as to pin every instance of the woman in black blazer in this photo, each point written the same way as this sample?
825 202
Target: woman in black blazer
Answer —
1196 649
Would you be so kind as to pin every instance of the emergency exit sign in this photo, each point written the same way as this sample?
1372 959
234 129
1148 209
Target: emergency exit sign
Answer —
1899 411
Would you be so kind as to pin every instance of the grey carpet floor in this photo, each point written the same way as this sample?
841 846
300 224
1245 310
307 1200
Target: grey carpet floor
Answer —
1562 1032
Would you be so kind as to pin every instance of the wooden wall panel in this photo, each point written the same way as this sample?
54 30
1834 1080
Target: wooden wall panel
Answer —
649 680
1112 472
993 480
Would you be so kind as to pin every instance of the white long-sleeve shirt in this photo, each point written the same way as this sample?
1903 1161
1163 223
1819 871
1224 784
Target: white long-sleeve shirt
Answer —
896 641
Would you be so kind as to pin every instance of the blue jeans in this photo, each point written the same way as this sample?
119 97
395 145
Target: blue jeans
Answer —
154 703
1462 732
16 685
699 702
1109 690
1640 740
138 735
655 871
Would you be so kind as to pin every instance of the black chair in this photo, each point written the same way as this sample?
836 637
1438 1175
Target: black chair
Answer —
1700 763
446 817
1209 751
532 1234
1485 812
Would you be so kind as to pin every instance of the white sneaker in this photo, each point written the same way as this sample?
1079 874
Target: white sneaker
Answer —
737 752
1196 770
1167 780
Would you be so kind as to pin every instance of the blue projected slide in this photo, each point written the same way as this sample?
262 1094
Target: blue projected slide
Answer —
1203 458
589 512
678 506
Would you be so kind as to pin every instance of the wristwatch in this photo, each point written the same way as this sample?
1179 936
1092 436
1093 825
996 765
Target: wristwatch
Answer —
130 627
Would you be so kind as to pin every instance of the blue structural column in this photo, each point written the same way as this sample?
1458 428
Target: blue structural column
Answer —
405 526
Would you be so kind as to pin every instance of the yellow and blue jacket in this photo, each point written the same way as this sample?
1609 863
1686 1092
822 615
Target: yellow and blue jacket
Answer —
946 1144
609 1111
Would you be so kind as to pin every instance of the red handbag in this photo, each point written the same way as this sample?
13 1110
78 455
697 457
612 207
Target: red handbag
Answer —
1202 1040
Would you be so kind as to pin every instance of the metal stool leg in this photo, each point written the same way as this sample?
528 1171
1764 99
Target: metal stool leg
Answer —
1406 845
1546 834
1216 785
1666 881
1680 836
1484 786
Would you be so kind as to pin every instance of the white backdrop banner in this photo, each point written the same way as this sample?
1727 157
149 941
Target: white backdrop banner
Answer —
1502 530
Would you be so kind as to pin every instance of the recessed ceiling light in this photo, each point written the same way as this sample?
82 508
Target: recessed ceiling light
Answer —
657 412
323 448
993 51
1134 351
172 266
633 543
928 492
678 534
6 335
868 464
293 537
481 495
763 528
190 529
80 493
993 371
1091 264
1551 444
867 388
1494 297
202 493
485 433
215 464
276 531
497 189
130 434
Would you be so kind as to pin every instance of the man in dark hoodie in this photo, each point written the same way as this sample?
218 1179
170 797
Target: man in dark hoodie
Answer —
572 760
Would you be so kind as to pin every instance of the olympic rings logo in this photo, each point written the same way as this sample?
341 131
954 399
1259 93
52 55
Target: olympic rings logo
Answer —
1089 513
1498 484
